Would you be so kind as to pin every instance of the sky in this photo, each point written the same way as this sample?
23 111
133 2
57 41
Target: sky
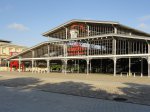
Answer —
24 21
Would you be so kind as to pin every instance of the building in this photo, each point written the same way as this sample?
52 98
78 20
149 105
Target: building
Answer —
7 49
88 46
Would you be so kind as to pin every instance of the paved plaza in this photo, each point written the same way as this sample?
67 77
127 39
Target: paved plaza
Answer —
24 100
99 89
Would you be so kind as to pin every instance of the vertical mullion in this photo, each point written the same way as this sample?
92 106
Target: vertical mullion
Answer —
119 46
98 47
101 46
142 47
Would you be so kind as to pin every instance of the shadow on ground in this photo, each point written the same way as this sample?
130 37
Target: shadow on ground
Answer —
134 93
19 82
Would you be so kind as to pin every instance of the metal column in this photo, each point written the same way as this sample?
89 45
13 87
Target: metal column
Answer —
8 66
114 46
47 66
66 33
114 59
114 53
87 65
141 67
129 66
32 65
65 63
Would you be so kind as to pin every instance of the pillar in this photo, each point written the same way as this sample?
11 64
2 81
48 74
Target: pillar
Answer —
87 65
66 32
129 66
115 30
114 59
141 67
114 46
32 65
65 49
48 66
65 63
8 66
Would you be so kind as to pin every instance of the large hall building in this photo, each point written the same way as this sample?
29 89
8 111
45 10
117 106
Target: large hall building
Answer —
89 46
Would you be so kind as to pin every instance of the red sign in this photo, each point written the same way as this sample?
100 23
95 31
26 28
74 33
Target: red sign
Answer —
76 50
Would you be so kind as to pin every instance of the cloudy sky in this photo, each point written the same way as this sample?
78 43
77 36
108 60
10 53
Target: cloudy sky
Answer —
23 21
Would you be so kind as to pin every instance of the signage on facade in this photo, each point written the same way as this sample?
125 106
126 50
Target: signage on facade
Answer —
76 49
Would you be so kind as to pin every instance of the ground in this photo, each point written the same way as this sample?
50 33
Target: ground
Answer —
25 100
99 89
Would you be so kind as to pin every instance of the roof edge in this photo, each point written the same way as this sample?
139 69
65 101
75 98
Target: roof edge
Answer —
77 20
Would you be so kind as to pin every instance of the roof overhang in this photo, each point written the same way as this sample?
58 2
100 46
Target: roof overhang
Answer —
46 34
77 20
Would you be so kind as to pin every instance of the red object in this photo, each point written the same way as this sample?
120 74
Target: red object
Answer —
80 26
16 65
76 50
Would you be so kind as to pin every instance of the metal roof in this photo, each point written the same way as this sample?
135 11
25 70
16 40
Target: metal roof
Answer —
78 20
92 21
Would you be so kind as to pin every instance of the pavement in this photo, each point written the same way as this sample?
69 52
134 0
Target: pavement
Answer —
99 88
14 99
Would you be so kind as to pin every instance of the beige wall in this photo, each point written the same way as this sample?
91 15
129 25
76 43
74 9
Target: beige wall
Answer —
6 49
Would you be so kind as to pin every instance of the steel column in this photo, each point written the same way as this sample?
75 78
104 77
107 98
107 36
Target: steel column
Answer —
8 66
87 64
32 65
47 66
65 63
141 67
114 59
129 66
114 46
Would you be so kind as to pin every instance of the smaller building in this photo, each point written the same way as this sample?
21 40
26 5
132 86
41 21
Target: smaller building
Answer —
7 49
